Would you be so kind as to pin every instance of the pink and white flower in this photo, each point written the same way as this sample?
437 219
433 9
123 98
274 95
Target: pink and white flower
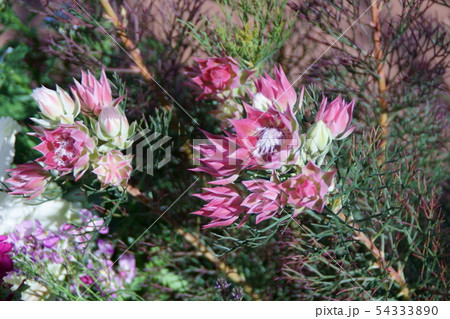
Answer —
94 95
279 91
266 199
110 121
55 106
270 137
337 116
113 169
27 179
224 206
309 188
67 148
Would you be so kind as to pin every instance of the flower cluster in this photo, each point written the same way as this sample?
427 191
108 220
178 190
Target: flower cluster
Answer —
102 276
269 140
71 146
54 248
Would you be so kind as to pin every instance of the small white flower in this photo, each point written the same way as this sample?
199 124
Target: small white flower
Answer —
36 291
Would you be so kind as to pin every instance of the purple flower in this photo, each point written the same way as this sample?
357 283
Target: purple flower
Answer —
93 223
105 247
87 280
127 267
31 239
49 239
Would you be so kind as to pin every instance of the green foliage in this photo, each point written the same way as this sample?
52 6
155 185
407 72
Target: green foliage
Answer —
15 83
261 30
389 203
15 96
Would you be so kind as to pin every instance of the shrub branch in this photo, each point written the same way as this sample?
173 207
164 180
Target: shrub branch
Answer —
384 120
379 256
131 48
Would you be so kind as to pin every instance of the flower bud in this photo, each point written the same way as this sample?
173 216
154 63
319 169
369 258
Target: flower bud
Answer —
56 106
318 138
94 95
110 121
113 128
261 102
337 115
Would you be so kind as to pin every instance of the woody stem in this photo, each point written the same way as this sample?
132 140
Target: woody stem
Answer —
378 255
381 78
130 47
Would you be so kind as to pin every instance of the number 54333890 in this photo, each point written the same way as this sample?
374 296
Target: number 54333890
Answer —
407 310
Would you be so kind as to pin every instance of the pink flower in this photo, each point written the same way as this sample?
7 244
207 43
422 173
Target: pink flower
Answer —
66 148
337 116
224 206
267 198
87 280
216 75
271 137
221 158
56 105
94 95
28 179
113 169
6 263
279 90
309 188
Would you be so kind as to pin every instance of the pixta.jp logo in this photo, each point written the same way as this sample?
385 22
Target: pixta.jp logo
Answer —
146 145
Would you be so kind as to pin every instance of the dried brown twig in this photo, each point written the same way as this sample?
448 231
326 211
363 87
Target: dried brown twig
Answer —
378 52
131 48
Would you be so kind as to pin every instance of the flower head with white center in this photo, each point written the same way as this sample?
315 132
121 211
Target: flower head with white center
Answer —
271 137
269 141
